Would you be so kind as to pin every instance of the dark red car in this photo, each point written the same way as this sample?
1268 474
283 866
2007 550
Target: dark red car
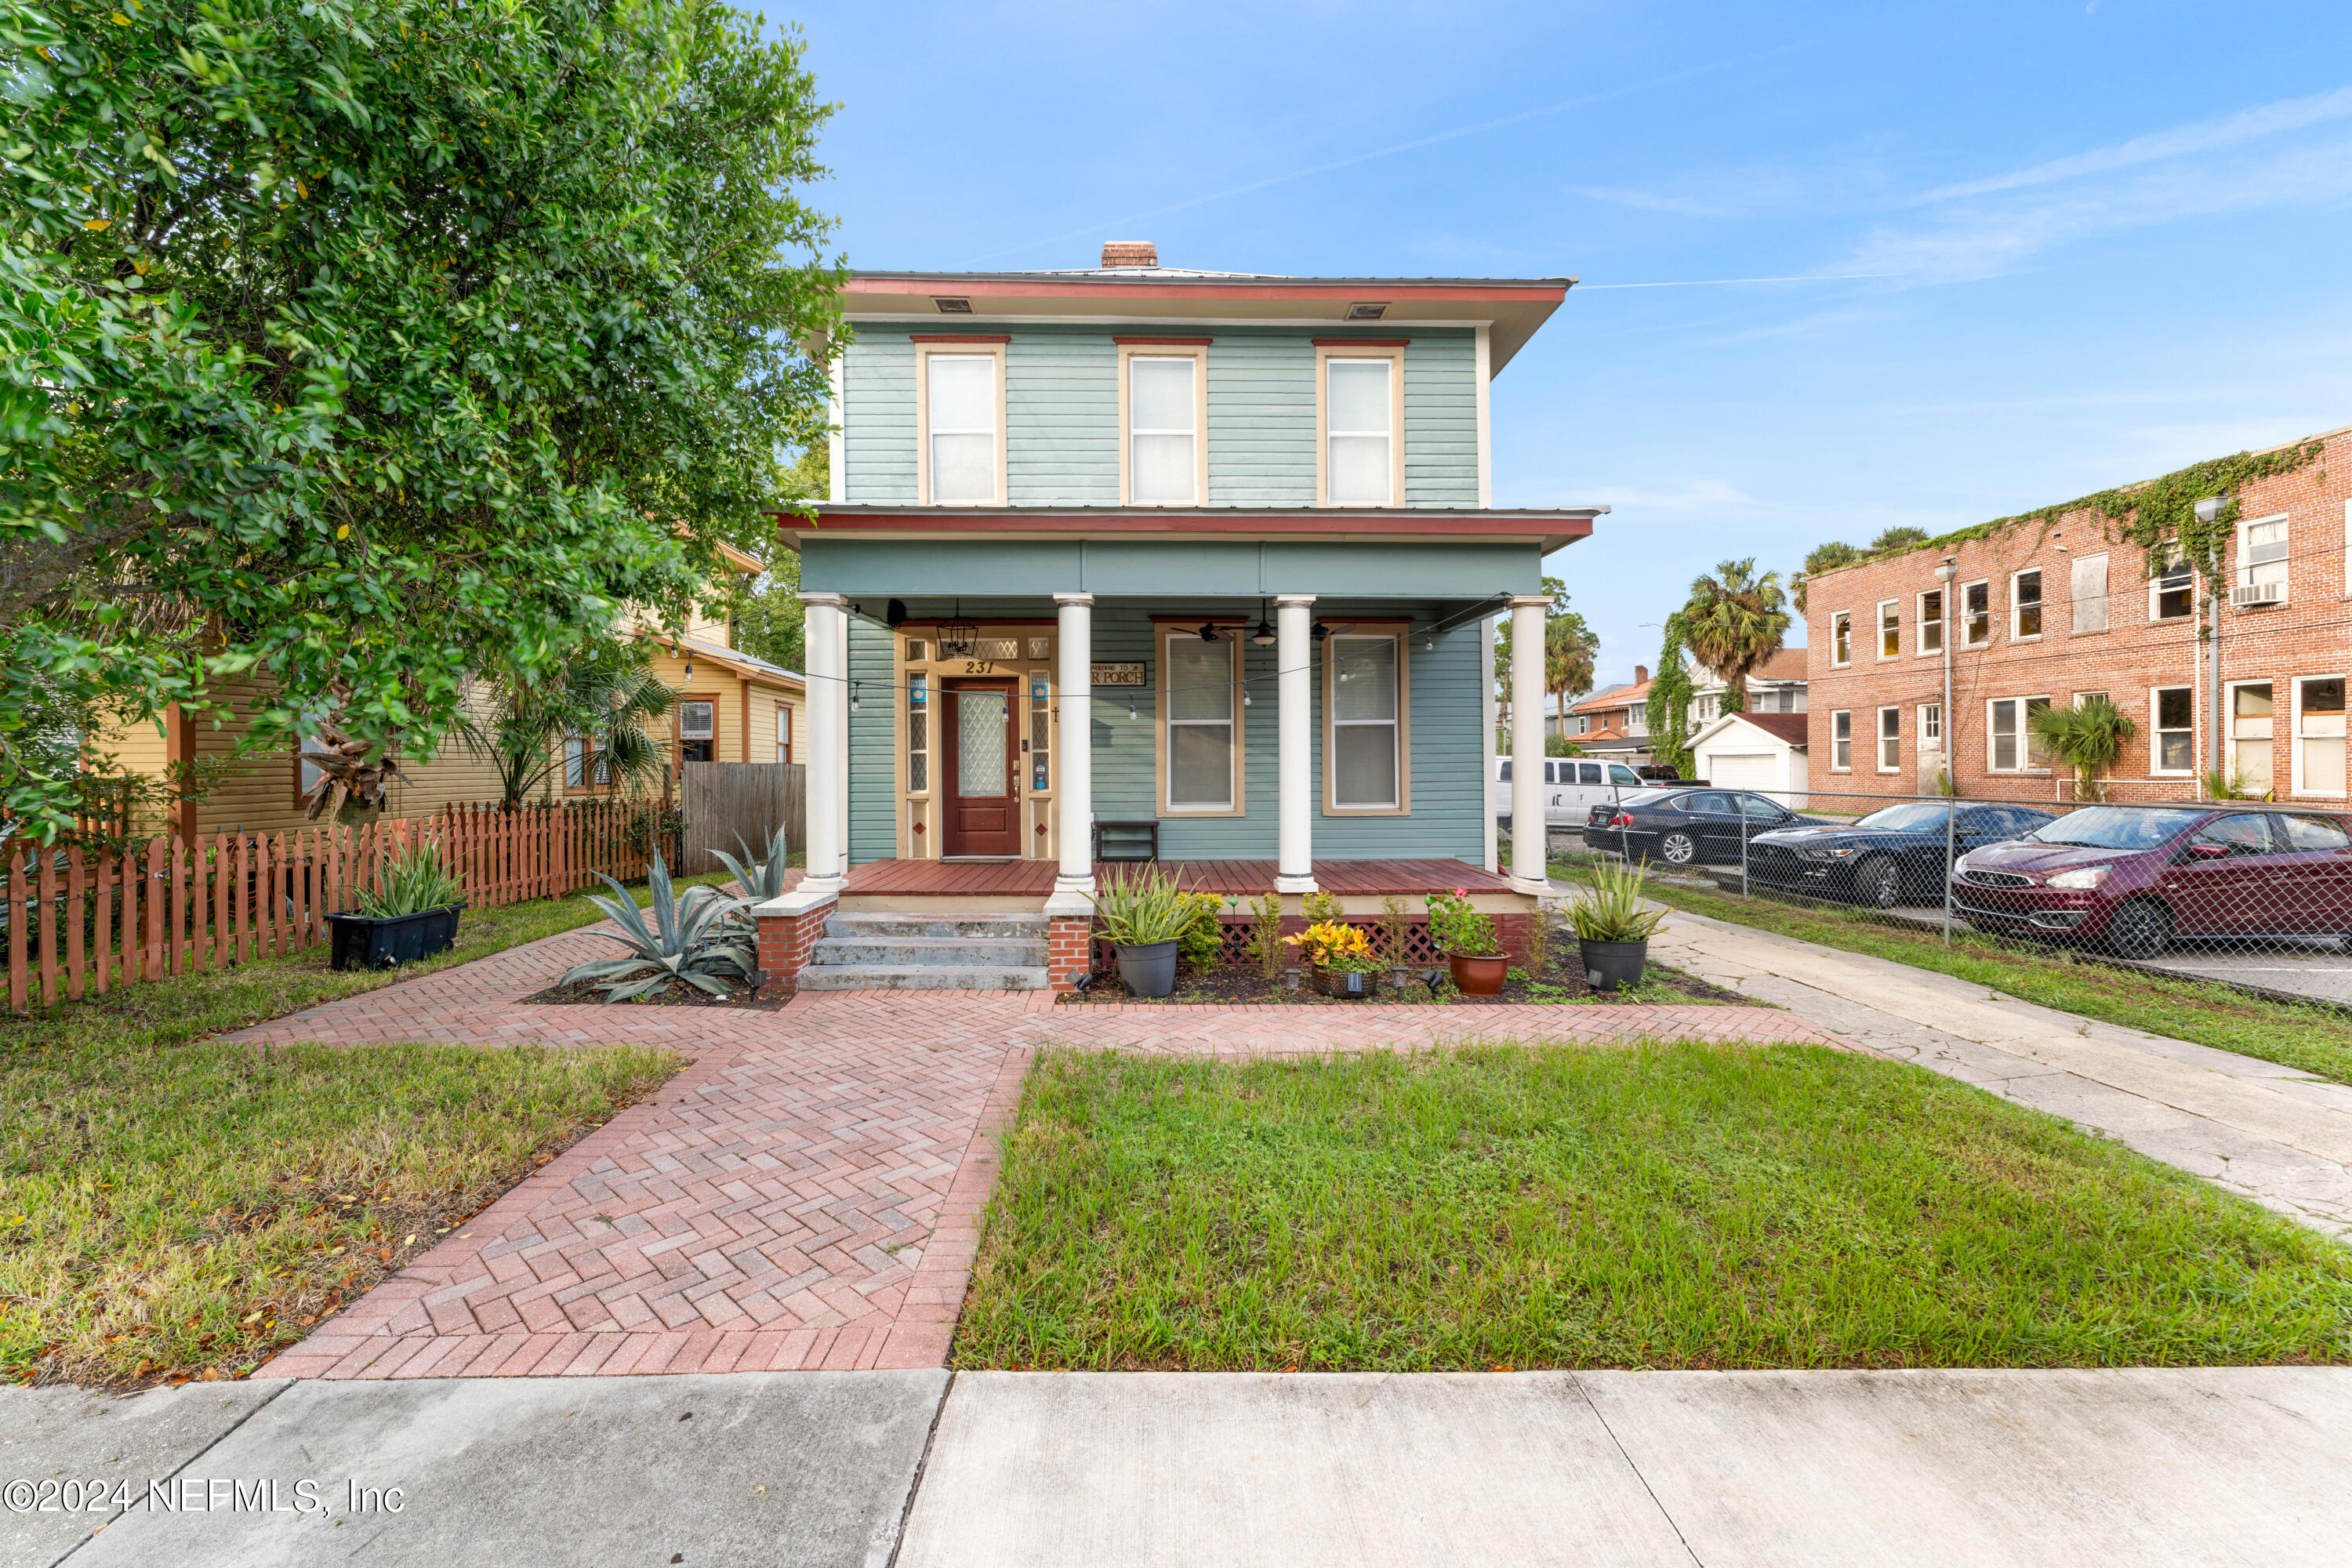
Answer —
2131 879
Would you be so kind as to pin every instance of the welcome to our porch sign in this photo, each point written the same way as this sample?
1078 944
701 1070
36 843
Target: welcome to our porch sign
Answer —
1118 675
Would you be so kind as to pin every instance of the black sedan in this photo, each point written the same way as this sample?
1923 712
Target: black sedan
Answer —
1894 855
1685 826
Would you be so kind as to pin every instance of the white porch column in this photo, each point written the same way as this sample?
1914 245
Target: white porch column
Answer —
1528 828
1074 806
841 722
1294 661
828 704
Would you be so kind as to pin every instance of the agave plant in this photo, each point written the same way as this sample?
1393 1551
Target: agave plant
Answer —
758 881
416 882
693 939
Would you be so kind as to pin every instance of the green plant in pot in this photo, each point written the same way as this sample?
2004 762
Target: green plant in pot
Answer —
411 913
1145 913
1340 959
1467 938
1612 928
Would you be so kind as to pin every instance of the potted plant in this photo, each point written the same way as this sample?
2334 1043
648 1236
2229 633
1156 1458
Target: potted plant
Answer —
413 916
1143 913
1612 928
1339 959
1468 940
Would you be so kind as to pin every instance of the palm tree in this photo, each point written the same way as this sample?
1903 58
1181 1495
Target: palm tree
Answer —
605 700
1734 621
1568 647
2087 737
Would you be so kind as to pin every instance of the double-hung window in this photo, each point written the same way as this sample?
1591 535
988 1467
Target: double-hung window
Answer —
2025 603
1360 413
1841 741
2173 749
783 732
1163 427
2261 551
961 455
2090 594
1890 739
2173 594
697 730
1364 695
1931 621
1201 766
1841 639
1890 628
2009 725
1975 615
585 764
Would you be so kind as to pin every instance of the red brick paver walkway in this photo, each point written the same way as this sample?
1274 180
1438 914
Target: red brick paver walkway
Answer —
807 1191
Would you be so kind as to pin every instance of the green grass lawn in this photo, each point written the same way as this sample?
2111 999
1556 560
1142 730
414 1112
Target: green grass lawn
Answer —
187 1210
1664 1207
214 1002
2316 1039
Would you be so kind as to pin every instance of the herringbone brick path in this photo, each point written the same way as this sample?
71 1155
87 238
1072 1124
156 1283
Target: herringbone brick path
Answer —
807 1193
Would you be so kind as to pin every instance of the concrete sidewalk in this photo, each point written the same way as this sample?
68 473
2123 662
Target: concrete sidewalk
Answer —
2275 1134
866 1469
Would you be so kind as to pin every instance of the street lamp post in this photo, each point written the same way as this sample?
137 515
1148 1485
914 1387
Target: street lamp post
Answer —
1945 572
2208 512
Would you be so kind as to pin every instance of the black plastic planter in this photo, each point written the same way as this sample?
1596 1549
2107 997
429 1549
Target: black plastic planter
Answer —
1148 971
1613 965
370 942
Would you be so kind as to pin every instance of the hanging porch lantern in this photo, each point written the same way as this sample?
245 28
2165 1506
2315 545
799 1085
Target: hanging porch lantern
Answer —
959 638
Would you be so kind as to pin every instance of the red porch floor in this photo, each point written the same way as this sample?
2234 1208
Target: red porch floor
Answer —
1035 878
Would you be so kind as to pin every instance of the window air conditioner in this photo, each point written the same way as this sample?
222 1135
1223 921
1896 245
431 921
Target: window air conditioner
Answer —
2257 596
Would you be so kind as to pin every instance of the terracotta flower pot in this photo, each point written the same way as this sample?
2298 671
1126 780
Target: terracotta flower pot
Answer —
1479 976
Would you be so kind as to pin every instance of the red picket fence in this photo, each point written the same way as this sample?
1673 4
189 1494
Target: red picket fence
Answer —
81 925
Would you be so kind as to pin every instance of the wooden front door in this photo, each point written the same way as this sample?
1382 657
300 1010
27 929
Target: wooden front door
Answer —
982 770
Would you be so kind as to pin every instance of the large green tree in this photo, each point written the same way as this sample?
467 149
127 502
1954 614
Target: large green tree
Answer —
355 346
1567 653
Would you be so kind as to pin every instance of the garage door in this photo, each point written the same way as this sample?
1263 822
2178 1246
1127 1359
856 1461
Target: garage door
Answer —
1743 770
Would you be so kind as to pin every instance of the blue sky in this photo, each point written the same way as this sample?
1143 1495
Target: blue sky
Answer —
2100 240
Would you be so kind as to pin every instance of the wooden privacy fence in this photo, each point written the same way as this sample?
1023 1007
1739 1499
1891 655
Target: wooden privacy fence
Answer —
723 800
82 923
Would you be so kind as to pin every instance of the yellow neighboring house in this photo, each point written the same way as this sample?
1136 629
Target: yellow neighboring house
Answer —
730 708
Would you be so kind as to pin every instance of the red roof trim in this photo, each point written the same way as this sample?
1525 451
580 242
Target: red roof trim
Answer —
1169 342
1363 342
955 338
927 288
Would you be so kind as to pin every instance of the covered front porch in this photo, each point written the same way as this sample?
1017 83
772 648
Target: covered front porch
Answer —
1008 886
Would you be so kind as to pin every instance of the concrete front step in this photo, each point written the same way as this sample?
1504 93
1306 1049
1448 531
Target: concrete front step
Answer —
923 977
870 927
902 950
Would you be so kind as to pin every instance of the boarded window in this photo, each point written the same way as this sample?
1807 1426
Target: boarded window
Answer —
2090 594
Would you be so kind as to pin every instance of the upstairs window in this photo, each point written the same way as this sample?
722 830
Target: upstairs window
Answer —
2090 594
1931 621
1164 429
959 436
1359 431
1841 639
2172 597
2025 603
1890 628
2261 551
1975 615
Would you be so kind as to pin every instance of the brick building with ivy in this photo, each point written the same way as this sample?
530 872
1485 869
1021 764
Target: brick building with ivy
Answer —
2112 595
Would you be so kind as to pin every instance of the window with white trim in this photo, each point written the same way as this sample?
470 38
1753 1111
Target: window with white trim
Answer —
1890 628
2009 728
1931 621
2263 550
2088 586
2319 735
1162 425
1840 740
1364 752
960 408
586 763
1931 726
2172 592
1841 639
1359 431
1200 724
1890 739
2025 603
1975 615
785 732
2173 746
698 730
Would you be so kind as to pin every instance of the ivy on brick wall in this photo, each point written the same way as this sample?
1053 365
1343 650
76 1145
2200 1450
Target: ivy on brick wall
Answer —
1669 700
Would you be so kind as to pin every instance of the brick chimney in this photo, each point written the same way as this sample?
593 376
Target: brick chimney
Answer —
1129 253
1640 673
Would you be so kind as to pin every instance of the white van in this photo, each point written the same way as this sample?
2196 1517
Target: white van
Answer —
1573 787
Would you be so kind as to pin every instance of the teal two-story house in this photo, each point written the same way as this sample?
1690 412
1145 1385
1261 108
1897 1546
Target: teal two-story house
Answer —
1140 561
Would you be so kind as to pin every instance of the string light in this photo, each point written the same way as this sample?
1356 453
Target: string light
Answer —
852 696
1130 708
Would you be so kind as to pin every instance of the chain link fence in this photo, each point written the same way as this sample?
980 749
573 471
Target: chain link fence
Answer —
2247 893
